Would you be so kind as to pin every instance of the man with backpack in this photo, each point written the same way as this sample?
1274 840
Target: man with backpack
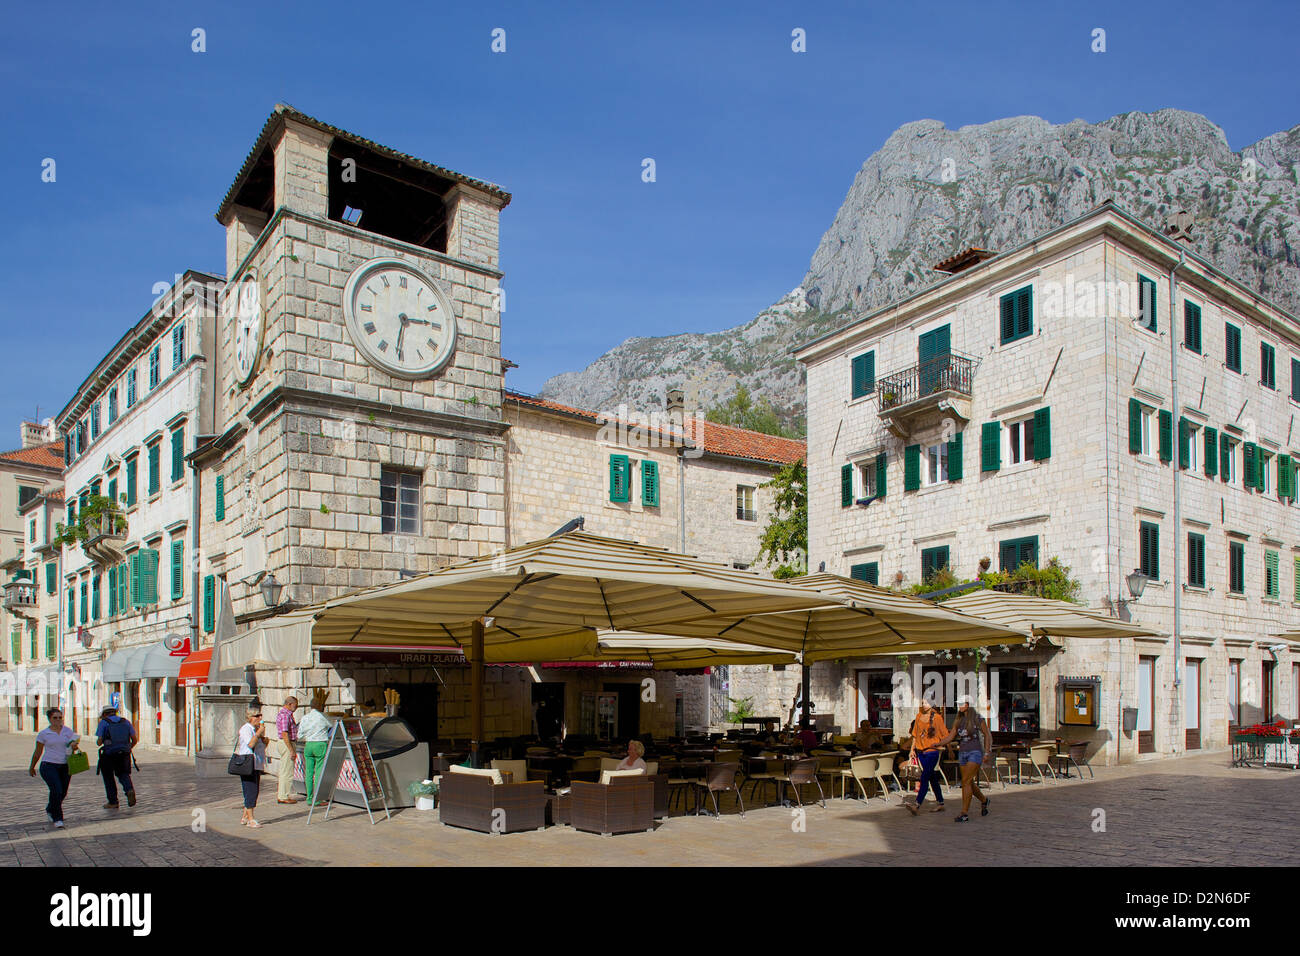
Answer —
116 739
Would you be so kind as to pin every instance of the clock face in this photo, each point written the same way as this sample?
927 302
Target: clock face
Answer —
399 319
248 327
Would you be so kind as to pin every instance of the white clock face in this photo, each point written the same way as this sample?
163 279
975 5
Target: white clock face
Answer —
399 319
248 328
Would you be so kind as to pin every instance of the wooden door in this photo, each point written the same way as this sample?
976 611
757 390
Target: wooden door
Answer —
1266 692
1192 703
1146 705
180 714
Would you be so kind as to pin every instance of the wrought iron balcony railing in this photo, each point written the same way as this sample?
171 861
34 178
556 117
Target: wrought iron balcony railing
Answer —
944 373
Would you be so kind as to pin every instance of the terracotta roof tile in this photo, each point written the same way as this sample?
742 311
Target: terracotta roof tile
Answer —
38 456
713 438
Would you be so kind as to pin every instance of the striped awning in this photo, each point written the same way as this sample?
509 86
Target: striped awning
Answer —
1044 616
858 619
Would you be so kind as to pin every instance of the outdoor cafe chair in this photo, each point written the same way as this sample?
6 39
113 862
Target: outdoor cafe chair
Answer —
585 768
999 764
831 767
1040 756
518 769
885 772
803 773
721 778
863 771
1076 753
760 778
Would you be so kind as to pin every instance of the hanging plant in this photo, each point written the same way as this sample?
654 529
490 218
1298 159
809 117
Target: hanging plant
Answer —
91 522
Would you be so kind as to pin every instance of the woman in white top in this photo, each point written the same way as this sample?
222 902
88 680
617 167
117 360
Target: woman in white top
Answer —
633 761
52 746
252 740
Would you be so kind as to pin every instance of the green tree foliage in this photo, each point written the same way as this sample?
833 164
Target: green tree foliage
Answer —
741 411
740 709
784 542
1050 581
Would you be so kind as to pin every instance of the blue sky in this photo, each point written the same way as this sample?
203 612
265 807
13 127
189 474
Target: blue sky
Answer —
755 145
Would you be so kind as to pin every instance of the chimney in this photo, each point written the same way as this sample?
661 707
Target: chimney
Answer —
1179 227
37 433
676 405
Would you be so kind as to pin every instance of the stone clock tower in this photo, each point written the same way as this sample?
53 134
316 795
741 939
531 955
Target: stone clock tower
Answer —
357 370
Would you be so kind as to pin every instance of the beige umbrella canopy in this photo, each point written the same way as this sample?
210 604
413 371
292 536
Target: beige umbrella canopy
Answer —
666 651
1044 617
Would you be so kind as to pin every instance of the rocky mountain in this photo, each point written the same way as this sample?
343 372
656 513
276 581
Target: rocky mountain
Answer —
931 191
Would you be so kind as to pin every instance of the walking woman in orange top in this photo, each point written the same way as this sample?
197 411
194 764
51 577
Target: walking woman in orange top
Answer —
928 734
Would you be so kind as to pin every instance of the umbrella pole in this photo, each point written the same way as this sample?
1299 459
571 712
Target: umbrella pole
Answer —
476 694
807 689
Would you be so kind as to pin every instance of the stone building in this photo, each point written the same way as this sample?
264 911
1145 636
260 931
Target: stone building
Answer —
29 479
1027 408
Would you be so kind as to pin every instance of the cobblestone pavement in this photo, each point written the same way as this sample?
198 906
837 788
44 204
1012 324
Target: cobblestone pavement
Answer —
1174 812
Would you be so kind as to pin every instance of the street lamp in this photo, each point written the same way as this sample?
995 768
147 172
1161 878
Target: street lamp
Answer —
1137 582
271 589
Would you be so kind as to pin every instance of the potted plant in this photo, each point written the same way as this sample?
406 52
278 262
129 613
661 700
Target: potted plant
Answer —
425 793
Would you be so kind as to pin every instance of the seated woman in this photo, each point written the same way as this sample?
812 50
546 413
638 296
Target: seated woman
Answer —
868 738
633 761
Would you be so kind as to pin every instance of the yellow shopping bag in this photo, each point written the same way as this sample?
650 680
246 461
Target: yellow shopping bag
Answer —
78 761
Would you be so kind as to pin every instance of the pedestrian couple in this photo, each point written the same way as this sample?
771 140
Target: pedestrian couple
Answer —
54 744
313 730
930 735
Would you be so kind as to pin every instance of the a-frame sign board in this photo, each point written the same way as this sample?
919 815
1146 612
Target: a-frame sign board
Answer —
348 740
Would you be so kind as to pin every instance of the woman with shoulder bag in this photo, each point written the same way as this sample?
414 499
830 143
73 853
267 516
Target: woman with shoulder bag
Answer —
252 748
928 732
973 740
54 745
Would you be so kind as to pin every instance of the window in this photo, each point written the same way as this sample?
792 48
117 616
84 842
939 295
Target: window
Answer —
1232 356
144 577
1234 692
991 446
219 496
94 597
933 560
132 464
1147 303
85 604
650 484
867 470
1012 554
1149 549
1227 460
130 387
1016 315
178 454
31 531
869 572
112 404
1296 597
1262 458
94 421
1192 327
209 604
1295 380
51 577
1271 585
846 485
155 360
178 346
178 569
51 649
81 437
1267 365
936 464
72 606
1189 440
1236 567
1020 441
620 478
1286 474
1196 560
155 468
863 375
911 468
399 502
745 503
26 493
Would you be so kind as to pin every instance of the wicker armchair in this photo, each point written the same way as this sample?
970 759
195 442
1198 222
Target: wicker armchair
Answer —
721 778
623 805
473 802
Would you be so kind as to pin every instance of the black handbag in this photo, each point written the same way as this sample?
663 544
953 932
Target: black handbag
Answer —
241 765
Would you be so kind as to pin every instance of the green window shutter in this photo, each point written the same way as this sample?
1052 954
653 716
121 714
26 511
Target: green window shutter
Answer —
1007 318
85 604
1295 380
1042 434
209 604
1251 479
1271 588
1196 560
134 562
178 570
1149 549
1192 326
51 649
155 467
112 590
220 507
1211 451
1225 459
123 587
650 484
864 375
131 474
151 577
1135 426
1297 580
112 491
869 572
94 597
178 454
72 606
1166 435
846 485
620 470
1267 365
1232 341
932 560
1147 302
51 579
954 457
911 467
991 446
880 475
1285 477
1184 443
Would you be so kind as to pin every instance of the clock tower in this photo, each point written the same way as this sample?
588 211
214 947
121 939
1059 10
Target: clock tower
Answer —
357 369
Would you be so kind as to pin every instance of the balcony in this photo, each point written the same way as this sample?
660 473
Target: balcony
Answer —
925 394
20 595
105 538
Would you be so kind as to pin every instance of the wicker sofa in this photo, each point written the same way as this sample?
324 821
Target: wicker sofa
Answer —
471 800
624 805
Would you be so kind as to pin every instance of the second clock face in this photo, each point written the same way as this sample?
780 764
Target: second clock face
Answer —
398 318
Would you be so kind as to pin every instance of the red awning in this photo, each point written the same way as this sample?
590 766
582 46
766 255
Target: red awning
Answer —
194 669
